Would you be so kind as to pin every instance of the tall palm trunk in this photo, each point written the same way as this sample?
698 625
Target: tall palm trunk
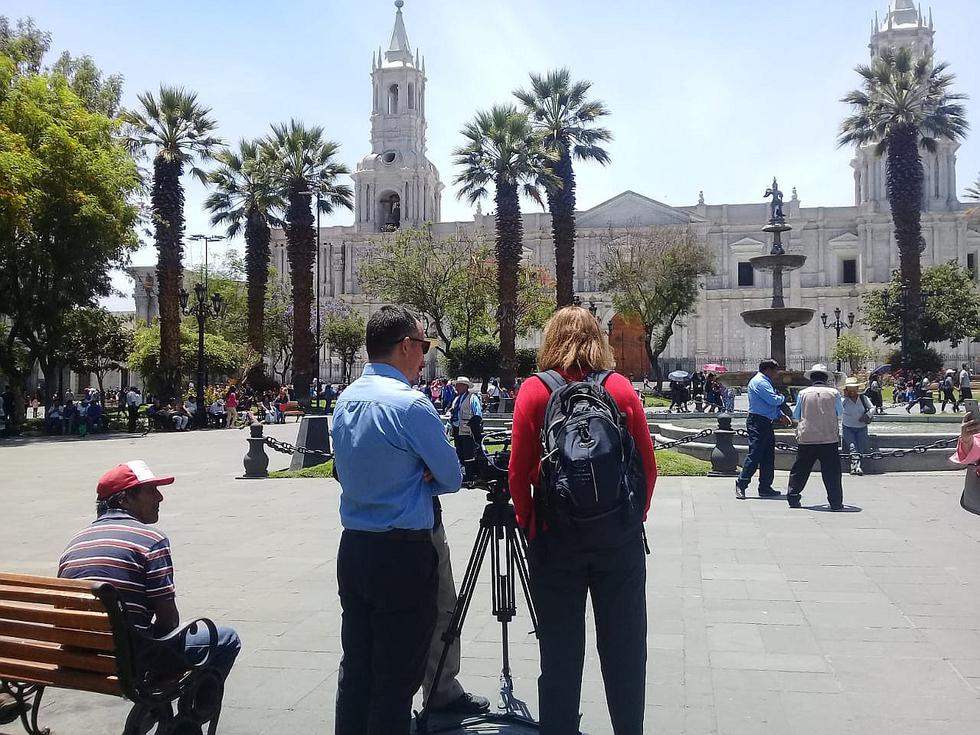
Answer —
561 203
510 235
301 246
257 255
167 200
904 178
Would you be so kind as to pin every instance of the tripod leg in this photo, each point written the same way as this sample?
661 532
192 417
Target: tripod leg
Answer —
466 589
519 543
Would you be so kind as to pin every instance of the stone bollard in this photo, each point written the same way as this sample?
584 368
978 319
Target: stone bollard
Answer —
724 457
256 461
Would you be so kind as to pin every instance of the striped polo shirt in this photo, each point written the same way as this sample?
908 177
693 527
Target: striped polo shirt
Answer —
128 554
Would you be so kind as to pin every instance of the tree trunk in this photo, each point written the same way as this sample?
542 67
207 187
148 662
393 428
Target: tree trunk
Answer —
652 358
167 199
904 178
257 257
561 203
301 249
510 232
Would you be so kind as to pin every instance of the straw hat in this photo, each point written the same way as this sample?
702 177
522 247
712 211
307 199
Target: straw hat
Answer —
818 368
852 383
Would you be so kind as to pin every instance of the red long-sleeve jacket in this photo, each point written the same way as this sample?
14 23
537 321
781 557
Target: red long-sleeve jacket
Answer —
525 451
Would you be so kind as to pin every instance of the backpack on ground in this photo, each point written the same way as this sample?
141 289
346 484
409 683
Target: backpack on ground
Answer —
592 487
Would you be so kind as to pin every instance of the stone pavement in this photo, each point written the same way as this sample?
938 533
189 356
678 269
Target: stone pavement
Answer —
762 619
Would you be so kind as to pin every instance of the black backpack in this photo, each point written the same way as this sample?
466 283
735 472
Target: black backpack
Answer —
591 486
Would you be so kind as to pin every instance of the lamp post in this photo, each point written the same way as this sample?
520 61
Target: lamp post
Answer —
207 239
202 310
838 326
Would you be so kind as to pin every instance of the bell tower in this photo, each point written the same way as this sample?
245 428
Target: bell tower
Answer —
396 185
905 27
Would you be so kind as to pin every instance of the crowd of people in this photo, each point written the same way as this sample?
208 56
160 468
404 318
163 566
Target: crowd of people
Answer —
705 389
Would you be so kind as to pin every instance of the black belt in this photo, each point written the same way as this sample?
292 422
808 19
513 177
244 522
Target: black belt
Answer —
396 534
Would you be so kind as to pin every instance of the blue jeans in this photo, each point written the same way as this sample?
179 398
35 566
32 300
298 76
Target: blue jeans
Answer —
762 453
193 647
856 436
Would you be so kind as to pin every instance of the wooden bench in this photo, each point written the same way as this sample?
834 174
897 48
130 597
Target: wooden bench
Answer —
291 408
73 634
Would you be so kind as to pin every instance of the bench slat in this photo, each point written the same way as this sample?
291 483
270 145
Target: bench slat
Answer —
76 638
65 599
53 676
47 583
73 619
51 653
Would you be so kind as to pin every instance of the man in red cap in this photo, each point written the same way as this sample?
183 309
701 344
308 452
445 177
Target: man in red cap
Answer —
122 548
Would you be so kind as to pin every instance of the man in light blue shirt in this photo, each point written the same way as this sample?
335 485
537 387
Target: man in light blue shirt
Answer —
765 406
392 458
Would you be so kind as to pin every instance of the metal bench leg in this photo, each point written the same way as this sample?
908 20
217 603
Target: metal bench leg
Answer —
22 695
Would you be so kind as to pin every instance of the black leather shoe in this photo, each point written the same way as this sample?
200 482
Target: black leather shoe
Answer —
770 494
794 501
465 704
739 492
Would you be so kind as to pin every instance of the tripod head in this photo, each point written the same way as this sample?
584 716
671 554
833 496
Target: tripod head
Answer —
488 470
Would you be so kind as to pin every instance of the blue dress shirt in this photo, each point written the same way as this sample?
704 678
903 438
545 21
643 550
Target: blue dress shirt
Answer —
385 435
764 399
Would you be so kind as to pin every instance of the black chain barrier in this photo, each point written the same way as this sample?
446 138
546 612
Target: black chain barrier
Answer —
917 449
287 448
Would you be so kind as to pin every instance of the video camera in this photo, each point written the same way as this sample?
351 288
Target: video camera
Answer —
488 470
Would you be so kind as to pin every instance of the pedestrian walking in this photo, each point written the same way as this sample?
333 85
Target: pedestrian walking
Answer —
858 413
874 394
949 396
966 391
766 405
818 409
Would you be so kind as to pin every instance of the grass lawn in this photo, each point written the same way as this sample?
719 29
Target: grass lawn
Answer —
669 464
655 402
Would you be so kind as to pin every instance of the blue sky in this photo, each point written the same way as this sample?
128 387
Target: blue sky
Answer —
713 95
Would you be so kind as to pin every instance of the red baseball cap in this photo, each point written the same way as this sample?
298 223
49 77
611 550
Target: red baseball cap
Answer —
129 474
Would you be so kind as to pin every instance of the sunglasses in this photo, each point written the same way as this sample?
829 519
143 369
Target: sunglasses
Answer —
424 342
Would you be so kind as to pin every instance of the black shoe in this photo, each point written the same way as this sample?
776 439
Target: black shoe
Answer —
465 704
739 492
793 500
837 508
769 493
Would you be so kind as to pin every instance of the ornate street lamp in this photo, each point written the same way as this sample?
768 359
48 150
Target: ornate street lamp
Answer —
838 326
207 240
202 310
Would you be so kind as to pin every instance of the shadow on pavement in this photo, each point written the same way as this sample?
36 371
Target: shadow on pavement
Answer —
826 509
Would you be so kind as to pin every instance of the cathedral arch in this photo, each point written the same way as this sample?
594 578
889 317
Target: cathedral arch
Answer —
411 96
389 211
393 99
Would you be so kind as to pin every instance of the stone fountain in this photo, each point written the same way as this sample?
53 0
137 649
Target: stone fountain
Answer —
778 317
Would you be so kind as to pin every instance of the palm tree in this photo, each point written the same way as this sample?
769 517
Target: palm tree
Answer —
562 116
245 199
304 165
905 104
502 150
178 130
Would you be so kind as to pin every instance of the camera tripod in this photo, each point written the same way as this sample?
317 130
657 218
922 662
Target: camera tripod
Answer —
500 534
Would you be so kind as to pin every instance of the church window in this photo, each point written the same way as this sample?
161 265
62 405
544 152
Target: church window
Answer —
971 265
393 99
935 175
388 157
849 270
746 276
411 96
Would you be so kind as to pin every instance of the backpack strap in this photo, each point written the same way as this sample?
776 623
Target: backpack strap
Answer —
599 377
552 380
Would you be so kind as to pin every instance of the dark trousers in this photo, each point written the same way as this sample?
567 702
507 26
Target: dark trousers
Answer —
950 397
966 393
762 453
561 576
388 587
829 458
133 412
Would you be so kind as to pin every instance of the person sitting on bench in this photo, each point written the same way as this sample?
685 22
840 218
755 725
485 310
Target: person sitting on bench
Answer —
123 548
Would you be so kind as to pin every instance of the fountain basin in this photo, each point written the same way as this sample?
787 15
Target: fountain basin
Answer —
787 316
771 263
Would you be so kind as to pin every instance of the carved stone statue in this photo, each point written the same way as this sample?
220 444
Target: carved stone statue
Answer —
700 198
776 216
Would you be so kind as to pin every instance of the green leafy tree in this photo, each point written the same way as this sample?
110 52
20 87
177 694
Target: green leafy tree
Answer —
66 219
654 277
179 132
502 151
97 342
303 163
99 93
223 358
564 117
246 201
853 350
481 361
951 313
905 103
24 45
344 334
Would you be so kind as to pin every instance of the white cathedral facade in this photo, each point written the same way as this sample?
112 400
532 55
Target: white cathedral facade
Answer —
849 249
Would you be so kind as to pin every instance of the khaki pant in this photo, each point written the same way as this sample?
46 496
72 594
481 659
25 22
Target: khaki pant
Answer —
449 688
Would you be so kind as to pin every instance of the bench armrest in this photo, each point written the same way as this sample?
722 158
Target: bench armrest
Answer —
177 661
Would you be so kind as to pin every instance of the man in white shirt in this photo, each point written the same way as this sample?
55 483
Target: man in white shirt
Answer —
966 391
132 408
